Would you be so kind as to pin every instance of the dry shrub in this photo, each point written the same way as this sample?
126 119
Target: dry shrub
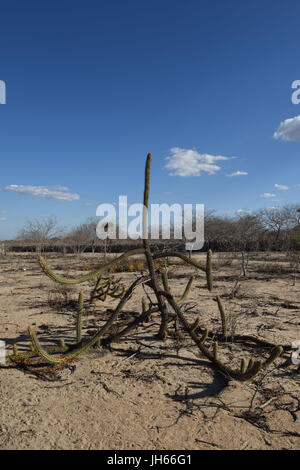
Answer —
60 297
273 268
223 260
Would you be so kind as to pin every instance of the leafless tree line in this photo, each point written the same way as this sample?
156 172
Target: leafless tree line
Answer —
265 229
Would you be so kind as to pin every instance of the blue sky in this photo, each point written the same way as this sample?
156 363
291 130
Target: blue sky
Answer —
92 86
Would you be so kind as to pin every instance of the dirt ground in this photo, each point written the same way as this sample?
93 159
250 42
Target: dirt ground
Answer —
144 393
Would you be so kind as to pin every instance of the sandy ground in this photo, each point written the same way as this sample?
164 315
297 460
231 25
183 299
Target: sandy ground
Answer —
144 393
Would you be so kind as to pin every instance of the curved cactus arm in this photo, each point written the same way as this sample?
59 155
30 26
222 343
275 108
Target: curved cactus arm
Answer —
251 340
42 352
177 254
275 353
137 251
186 291
87 277
59 360
227 371
21 357
74 353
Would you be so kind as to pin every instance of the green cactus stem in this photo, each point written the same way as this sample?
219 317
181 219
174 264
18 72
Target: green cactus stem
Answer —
223 317
21 357
237 375
79 318
275 353
209 270
107 266
87 277
148 255
186 291
204 335
195 324
243 366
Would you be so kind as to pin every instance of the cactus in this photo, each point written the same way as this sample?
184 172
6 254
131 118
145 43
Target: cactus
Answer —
223 317
90 276
108 286
79 318
209 270
186 291
148 254
21 357
275 353
196 324
204 335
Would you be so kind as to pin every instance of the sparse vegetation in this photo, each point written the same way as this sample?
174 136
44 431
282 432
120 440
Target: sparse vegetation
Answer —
164 305
164 297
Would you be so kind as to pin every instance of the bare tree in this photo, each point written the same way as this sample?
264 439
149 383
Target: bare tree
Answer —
218 231
247 231
279 222
40 231
83 236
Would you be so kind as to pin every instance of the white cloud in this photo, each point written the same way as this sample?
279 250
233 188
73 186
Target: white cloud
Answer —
2 219
281 187
273 208
42 191
3 212
239 173
187 162
243 211
289 129
268 195
60 188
